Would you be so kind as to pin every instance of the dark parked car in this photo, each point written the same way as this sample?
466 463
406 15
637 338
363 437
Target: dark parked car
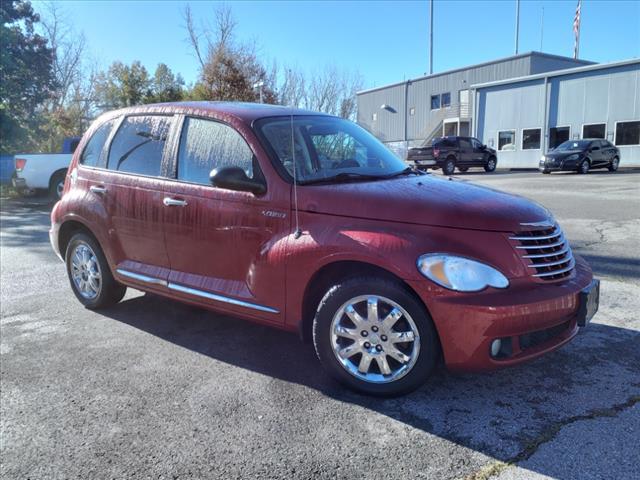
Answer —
581 156
307 223
448 153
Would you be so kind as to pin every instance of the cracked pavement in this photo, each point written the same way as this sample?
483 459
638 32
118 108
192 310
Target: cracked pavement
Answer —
155 389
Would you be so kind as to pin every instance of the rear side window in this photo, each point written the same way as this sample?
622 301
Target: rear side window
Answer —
465 144
139 144
92 155
205 145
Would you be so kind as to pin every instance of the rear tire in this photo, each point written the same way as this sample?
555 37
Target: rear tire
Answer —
614 164
368 337
449 166
89 273
583 167
491 164
56 185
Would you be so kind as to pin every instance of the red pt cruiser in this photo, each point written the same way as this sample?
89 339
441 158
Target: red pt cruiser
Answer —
306 222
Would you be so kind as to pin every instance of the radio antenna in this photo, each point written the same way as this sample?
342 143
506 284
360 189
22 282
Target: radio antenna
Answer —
297 233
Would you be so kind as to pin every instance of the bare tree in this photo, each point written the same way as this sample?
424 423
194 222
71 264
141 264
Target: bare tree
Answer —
229 70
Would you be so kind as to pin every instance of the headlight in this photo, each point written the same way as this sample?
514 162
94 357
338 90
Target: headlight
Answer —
459 273
575 156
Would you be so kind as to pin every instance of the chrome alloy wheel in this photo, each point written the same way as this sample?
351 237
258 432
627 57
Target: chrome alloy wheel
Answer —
375 339
85 271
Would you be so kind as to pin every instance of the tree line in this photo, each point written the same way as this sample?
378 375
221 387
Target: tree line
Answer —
51 89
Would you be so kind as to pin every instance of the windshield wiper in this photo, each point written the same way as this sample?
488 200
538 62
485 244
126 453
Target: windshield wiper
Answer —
405 171
343 177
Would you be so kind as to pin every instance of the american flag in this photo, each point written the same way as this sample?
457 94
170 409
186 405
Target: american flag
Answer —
576 29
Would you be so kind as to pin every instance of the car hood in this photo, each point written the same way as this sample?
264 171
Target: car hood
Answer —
563 153
425 200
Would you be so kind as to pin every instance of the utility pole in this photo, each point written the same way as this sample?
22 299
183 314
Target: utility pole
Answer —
517 23
431 37
542 29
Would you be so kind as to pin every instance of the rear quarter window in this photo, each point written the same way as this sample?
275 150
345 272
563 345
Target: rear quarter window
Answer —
93 153
139 144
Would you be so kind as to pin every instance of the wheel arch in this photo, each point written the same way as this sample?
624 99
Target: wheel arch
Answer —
67 230
341 270
53 175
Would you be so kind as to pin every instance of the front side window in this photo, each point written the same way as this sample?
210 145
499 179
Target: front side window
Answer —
558 135
206 145
446 99
628 133
507 140
531 138
465 144
595 130
323 148
477 145
92 155
139 144
435 102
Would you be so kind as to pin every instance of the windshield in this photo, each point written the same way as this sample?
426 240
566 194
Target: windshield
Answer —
573 145
328 148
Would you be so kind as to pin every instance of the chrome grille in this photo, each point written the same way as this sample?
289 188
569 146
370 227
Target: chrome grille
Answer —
546 252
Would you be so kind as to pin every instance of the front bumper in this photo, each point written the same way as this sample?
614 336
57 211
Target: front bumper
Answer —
537 318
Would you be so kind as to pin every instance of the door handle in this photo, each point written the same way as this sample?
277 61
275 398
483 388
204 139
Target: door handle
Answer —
174 202
98 189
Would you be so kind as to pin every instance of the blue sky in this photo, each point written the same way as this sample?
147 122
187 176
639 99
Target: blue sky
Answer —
384 41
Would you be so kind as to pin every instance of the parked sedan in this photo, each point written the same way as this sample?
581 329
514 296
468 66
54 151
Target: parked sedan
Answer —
581 156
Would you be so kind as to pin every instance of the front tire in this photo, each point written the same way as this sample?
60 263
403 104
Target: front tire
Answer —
449 166
373 336
491 165
89 274
614 164
583 167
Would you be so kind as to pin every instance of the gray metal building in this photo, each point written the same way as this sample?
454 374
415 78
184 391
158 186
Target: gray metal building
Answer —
524 117
415 111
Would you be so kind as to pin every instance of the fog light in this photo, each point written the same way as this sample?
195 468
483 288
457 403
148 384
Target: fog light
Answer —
496 345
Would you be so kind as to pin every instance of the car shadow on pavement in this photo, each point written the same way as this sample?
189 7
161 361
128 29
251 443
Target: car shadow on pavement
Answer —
501 414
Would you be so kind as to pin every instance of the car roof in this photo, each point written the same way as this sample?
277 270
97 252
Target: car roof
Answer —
244 111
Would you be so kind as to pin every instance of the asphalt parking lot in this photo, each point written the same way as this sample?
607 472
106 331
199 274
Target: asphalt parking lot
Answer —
155 389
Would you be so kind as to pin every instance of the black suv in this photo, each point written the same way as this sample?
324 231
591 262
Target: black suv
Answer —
448 153
581 156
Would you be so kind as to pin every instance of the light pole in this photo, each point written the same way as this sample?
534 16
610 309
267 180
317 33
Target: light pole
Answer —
259 85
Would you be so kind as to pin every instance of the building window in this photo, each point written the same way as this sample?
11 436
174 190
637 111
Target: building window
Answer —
557 135
446 100
374 117
531 138
628 133
507 140
435 102
594 130
412 111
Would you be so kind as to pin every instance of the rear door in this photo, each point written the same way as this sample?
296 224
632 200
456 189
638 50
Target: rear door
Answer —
131 191
465 157
223 245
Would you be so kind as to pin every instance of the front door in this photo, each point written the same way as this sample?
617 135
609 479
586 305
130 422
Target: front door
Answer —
132 191
225 247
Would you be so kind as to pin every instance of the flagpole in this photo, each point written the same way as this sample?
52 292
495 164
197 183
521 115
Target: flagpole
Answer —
431 37
517 24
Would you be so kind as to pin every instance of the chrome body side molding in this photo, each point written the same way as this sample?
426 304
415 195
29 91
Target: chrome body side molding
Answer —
141 278
221 298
